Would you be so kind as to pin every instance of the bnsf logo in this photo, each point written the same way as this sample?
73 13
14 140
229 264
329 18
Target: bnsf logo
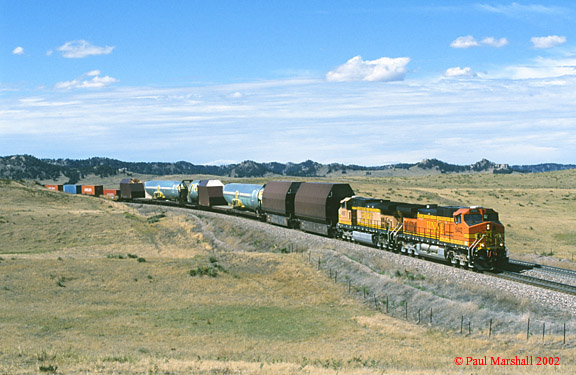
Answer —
88 190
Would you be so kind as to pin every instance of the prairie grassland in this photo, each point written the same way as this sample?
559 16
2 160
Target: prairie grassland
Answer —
92 286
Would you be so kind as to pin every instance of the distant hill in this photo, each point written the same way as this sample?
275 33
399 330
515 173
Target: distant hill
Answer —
19 167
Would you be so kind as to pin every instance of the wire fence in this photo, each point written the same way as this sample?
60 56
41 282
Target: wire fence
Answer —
529 328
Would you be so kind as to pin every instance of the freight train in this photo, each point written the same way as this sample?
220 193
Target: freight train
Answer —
470 237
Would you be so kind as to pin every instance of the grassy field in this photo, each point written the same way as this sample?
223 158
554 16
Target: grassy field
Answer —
92 286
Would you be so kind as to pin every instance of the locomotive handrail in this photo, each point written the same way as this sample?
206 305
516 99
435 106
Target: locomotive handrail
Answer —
476 243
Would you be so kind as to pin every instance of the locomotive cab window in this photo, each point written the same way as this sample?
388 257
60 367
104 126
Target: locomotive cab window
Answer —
473 219
458 219
492 216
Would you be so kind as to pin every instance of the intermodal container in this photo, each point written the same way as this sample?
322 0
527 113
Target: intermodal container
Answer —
54 187
95 190
111 193
73 189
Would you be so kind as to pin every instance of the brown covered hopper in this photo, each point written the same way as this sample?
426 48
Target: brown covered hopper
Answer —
319 202
278 197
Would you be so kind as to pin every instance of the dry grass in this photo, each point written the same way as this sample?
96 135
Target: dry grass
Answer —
75 299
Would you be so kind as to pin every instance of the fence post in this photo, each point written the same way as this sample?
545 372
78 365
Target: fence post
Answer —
469 328
461 323
386 304
406 306
528 330
490 329
336 277
564 341
418 316
430 315
543 330
318 263
349 285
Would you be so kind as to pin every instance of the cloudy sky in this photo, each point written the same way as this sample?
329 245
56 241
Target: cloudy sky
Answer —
364 82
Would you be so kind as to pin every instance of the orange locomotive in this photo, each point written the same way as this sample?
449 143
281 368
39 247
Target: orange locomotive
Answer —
464 236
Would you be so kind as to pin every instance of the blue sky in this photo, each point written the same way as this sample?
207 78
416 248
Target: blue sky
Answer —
364 82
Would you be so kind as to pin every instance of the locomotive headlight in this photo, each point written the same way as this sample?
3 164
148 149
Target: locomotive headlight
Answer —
487 226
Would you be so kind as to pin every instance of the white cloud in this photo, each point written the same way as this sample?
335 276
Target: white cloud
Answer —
519 10
18 51
542 68
465 42
383 69
459 72
492 42
78 49
548 41
236 95
93 73
469 41
95 82
509 121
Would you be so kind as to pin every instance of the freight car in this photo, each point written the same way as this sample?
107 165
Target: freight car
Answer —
278 202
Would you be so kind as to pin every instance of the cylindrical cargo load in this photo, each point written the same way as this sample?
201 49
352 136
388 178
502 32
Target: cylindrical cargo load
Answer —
246 196
193 192
163 189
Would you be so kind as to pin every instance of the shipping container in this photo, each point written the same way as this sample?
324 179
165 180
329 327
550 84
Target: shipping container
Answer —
73 189
111 193
131 188
95 190
54 187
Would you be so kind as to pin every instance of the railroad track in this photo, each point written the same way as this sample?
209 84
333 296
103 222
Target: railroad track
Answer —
542 283
543 268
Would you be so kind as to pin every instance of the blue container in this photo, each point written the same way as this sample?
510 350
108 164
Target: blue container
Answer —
73 189
163 189
244 196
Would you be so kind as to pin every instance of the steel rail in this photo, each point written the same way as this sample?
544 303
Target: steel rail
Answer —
544 268
534 281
